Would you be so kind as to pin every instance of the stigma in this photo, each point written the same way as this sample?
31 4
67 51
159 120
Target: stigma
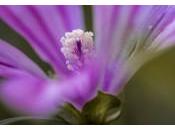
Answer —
77 48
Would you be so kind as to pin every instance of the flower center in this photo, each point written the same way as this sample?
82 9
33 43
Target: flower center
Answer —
77 48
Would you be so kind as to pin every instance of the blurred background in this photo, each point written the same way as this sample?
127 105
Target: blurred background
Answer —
149 97
150 94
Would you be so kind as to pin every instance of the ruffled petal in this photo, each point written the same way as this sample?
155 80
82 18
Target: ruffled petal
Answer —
43 26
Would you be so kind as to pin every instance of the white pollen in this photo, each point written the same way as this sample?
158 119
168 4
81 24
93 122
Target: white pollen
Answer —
77 48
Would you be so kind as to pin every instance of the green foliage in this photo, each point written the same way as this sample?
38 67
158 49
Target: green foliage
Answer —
30 121
70 115
103 109
5 112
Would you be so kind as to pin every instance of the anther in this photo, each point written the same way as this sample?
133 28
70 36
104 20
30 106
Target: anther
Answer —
77 48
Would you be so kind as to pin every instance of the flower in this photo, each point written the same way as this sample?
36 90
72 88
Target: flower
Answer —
125 37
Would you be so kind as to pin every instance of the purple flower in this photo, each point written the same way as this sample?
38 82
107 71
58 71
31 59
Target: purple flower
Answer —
125 37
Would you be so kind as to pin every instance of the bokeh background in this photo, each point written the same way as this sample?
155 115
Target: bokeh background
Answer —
148 98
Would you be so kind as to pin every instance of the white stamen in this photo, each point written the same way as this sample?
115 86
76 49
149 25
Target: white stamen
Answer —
77 47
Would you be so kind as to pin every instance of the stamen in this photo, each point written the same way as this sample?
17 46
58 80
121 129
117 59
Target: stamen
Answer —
77 47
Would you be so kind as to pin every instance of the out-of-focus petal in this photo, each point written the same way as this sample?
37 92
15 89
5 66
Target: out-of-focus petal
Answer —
122 32
81 87
115 26
116 72
34 96
43 26
12 58
30 95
